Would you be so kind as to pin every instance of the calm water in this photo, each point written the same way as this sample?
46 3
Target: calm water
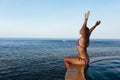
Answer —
39 59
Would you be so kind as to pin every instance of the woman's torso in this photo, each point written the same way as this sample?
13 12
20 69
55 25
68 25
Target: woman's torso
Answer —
82 45
84 42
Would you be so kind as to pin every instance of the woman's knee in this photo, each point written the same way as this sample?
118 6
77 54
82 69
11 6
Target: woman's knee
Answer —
68 59
65 59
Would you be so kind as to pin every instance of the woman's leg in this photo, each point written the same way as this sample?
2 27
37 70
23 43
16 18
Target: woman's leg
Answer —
73 60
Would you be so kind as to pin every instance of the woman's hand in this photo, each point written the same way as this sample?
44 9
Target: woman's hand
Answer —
87 15
97 23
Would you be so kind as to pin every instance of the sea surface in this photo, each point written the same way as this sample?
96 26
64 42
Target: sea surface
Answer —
42 59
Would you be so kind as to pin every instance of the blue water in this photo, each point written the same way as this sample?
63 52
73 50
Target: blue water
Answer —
40 59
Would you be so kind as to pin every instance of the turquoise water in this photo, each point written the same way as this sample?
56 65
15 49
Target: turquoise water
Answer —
39 59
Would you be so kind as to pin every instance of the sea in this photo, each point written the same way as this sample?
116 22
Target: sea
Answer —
42 59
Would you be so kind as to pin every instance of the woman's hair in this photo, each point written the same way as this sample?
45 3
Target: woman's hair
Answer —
87 29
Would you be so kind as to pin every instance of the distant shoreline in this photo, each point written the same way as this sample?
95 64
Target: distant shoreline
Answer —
56 39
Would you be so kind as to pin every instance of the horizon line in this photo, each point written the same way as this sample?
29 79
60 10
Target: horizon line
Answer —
56 38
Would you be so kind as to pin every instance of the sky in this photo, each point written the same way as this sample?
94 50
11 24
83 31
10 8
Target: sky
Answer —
58 18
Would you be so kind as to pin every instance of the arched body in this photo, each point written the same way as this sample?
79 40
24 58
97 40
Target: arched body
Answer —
82 59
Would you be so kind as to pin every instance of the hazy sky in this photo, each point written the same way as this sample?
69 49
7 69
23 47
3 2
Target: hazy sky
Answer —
58 18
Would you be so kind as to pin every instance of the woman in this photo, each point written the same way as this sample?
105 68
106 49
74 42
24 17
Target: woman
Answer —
82 44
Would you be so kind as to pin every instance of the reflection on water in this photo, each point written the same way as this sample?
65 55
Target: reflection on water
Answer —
104 68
